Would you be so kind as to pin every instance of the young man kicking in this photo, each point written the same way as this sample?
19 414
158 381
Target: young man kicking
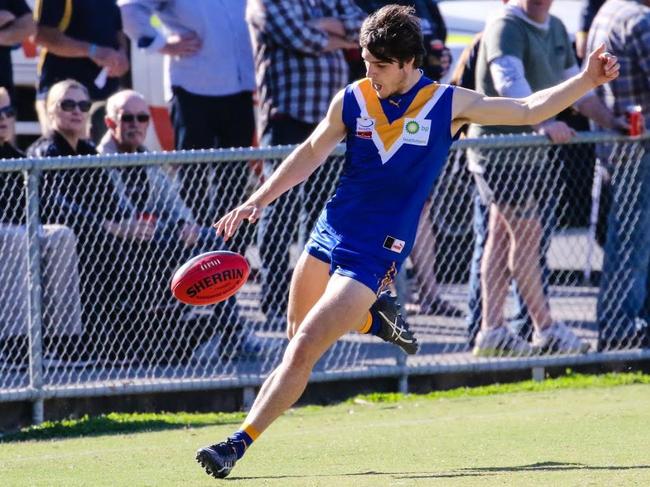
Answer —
398 127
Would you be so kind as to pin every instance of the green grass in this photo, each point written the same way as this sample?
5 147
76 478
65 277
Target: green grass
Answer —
578 430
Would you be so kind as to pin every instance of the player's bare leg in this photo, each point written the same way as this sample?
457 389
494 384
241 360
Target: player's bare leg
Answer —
342 308
308 284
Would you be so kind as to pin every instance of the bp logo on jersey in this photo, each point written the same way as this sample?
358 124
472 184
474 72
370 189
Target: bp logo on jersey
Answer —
416 132
412 127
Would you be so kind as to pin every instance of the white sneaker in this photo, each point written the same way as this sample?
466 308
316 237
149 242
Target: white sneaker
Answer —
500 342
558 338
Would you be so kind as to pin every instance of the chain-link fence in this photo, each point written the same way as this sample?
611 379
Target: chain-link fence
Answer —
537 237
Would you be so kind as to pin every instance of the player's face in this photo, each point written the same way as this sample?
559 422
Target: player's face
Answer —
387 78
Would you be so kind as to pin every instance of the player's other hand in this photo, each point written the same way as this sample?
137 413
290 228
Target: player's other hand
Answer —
228 225
602 67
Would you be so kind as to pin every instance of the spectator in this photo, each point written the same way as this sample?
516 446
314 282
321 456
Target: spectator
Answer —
149 193
60 278
84 41
210 107
464 73
589 11
514 61
16 25
109 240
624 298
436 62
300 65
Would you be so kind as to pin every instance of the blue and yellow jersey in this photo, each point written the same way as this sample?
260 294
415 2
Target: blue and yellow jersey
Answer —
396 149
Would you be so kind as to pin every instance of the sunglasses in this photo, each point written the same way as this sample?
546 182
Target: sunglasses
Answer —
130 117
8 111
68 105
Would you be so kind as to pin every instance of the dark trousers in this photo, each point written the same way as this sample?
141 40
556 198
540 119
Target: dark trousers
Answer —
276 228
206 122
624 299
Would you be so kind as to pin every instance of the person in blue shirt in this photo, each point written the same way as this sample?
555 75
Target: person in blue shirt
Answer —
398 127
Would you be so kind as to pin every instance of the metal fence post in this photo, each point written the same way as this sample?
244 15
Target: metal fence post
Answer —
35 293
403 380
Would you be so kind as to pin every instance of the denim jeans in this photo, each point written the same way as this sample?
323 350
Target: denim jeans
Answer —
622 301
520 320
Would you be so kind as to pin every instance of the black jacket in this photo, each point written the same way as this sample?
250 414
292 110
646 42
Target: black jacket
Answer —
82 199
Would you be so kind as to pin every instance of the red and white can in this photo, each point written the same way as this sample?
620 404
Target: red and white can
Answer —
635 120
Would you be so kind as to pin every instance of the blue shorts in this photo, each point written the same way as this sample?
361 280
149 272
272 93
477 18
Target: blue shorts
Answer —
373 272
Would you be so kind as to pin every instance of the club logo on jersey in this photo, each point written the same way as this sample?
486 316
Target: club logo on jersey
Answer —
365 127
416 132
394 244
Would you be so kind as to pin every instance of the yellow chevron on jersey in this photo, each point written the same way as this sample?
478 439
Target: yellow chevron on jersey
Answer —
389 137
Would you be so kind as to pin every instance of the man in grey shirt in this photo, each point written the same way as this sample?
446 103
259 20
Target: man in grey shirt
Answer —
524 49
210 79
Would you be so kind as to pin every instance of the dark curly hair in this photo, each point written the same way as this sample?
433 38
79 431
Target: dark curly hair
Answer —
393 34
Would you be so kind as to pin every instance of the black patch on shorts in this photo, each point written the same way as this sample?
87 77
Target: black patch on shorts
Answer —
388 243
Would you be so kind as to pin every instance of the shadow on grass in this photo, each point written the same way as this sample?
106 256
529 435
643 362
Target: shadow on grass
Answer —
465 472
116 423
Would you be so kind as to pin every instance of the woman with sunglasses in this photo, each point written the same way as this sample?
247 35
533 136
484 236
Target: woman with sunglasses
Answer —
110 238
61 302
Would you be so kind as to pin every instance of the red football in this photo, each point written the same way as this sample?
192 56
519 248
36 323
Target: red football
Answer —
210 277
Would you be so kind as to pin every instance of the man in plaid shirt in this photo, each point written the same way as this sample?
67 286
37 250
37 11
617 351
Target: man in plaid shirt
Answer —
298 49
624 301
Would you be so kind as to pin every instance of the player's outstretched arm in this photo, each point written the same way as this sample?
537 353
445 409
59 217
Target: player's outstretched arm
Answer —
469 106
297 167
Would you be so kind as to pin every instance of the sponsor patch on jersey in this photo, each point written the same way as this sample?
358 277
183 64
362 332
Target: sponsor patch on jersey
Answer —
416 132
365 126
394 244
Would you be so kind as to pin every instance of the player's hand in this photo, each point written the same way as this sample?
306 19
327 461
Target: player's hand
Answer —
557 132
228 225
182 45
602 67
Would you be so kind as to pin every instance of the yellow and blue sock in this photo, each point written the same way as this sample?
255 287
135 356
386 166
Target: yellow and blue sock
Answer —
243 438
371 325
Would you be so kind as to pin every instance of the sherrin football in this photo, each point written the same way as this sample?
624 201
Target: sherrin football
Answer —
210 277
